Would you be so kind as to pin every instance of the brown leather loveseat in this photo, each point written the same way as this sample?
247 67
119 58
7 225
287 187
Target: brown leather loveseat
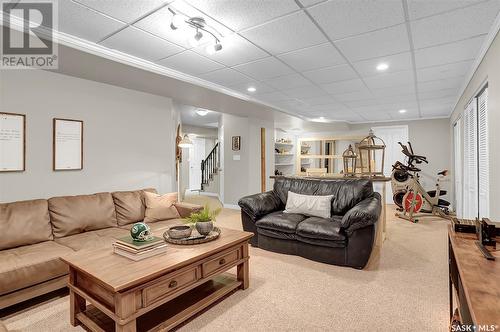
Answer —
35 233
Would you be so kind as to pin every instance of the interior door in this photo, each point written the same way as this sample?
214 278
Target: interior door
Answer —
196 155
391 136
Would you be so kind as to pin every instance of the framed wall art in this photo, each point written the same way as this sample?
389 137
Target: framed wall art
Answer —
236 143
12 142
67 144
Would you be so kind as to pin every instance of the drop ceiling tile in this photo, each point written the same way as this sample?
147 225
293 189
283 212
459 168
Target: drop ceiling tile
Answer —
321 100
263 69
437 94
405 99
448 53
261 88
376 116
444 71
238 14
225 76
84 23
394 90
396 62
456 25
344 86
307 91
288 82
332 107
342 19
125 10
331 74
235 50
141 44
285 34
319 56
390 80
436 109
354 96
431 105
375 44
350 117
447 83
273 96
423 8
158 23
308 3
190 63
362 103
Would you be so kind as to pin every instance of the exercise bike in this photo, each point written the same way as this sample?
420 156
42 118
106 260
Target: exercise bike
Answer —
412 199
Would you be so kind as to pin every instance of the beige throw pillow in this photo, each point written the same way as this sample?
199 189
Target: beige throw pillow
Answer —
160 207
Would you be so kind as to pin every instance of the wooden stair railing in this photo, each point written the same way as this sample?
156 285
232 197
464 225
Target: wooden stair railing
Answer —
209 166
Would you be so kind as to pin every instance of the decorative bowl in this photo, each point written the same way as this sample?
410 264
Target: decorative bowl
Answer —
179 232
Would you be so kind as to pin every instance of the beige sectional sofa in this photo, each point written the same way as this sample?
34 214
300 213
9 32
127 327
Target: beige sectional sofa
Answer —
36 233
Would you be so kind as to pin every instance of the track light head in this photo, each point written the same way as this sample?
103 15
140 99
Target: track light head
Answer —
177 22
212 49
195 40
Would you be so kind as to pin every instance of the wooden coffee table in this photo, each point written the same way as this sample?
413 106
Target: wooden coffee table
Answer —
112 293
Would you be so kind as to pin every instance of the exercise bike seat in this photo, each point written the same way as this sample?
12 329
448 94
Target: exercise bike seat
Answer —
432 193
444 172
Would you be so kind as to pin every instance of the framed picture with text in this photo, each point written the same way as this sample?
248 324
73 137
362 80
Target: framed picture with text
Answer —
12 142
67 144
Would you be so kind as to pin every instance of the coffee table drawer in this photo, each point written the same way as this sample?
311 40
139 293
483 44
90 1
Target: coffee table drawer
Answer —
221 261
169 285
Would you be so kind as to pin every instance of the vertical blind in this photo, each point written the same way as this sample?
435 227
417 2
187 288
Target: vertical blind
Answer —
475 193
483 155
470 191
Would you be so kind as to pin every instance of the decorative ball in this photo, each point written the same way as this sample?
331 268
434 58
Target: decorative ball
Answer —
141 232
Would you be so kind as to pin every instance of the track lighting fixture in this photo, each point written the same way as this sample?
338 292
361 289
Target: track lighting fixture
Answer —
201 28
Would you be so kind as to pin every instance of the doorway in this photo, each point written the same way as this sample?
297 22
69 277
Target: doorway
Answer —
196 156
391 136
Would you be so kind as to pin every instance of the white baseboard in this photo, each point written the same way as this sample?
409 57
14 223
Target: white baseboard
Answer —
232 206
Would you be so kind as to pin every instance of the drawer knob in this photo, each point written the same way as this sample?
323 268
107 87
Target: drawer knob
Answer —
172 284
222 261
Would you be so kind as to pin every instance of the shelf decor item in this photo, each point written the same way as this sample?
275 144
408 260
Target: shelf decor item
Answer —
203 220
372 154
195 238
349 157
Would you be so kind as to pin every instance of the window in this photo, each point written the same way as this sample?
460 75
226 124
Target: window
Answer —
475 171
457 152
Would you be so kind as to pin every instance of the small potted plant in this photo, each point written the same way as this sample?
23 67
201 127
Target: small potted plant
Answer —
203 220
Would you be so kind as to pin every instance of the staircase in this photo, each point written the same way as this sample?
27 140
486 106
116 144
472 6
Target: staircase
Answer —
210 166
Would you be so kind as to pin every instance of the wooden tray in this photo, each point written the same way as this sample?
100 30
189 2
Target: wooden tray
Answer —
214 234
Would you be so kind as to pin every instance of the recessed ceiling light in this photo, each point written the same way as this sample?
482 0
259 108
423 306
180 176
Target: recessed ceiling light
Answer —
382 66
202 112
402 111
251 89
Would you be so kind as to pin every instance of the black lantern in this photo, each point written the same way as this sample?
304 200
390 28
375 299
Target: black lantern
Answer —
372 154
349 157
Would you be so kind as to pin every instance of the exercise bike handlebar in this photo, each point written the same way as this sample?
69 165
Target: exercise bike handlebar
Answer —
413 157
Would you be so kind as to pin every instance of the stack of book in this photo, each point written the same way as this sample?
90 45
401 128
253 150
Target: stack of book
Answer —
136 250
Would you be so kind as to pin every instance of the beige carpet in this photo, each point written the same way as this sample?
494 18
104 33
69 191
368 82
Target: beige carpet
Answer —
407 291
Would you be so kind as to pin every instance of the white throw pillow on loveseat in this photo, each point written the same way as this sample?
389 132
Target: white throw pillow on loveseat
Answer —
310 205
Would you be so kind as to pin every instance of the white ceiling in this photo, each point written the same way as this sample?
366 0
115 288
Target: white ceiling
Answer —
191 118
309 57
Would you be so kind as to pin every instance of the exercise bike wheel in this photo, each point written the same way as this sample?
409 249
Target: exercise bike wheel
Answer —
398 198
408 202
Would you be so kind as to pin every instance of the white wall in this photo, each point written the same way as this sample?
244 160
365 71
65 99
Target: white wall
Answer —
242 177
129 136
488 71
